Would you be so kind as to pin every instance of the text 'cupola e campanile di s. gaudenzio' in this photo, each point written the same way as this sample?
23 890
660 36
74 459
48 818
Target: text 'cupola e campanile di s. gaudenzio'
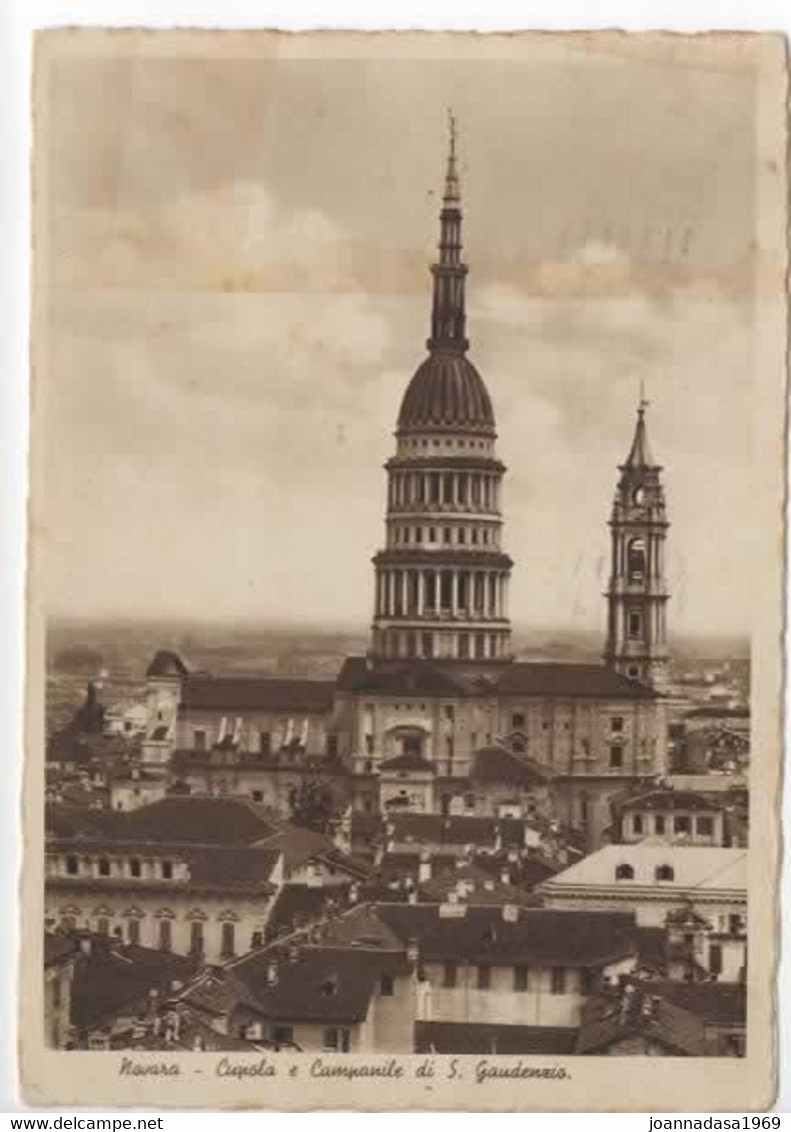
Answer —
442 578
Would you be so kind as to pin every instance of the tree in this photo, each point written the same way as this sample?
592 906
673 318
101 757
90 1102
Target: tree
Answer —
312 803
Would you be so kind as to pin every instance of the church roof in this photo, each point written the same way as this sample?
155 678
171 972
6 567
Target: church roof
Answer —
447 392
410 678
256 693
540 678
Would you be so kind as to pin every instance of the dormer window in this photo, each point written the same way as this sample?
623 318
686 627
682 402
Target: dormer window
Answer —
664 872
624 872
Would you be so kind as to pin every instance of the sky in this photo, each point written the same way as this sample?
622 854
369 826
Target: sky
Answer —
237 293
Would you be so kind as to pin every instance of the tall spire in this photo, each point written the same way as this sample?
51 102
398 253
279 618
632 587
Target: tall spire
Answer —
452 193
640 453
448 313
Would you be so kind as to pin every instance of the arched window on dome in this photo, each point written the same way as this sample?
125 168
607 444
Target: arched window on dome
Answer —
664 872
624 872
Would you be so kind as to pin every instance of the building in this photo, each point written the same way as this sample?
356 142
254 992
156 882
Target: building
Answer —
118 987
638 594
196 876
481 963
706 887
632 1021
181 875
690 817
59 959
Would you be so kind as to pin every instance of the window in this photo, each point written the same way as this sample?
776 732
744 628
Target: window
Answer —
432 534
462 535
635 626
165 935
369 744
257 940
664 872
103 925
484 978
616 756
72 866
616 723
520 978
332 746
265 742
133 931
558 985
199 740
635 558
386 985
167 870
659 823
637 823
736 923
228 939
469 801
624 872
734 1045
590 982
104 867
283 1035
517 721
446 533
715 958
681 824
196 937
135 868
337 1040
449 975
705 826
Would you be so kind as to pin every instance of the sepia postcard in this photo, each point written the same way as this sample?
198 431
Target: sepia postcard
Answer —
406 567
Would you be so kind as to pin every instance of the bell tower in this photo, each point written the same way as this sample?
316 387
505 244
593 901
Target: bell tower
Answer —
637 596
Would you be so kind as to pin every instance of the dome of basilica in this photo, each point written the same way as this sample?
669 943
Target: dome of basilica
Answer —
447 393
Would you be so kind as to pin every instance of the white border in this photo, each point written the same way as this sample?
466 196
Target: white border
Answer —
17 20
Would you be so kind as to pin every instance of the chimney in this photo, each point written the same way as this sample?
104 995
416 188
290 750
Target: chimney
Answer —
510 913
424 869
86 945
272 974
294 952
413 951
505 876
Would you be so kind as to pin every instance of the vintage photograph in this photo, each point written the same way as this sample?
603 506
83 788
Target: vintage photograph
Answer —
407 469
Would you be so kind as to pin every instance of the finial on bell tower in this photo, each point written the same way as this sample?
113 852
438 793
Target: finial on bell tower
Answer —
637 596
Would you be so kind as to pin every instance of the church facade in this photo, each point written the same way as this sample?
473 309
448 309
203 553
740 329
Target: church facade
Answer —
438 704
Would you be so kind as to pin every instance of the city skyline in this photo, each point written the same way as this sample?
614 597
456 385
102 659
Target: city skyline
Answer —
227 367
